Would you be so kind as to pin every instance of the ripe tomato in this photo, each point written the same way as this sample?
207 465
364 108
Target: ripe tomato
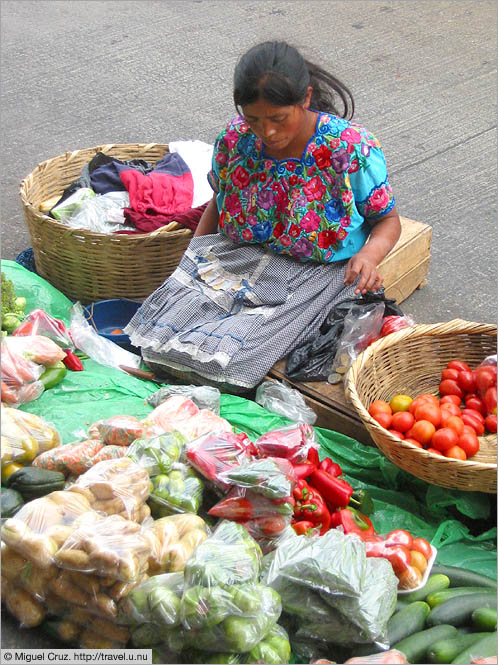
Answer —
379 406
434 451
384 419
399 537
469 443
444 438
402 421
421 545
451 408
473 422
456 453
490 400
393 324
400 403
423 431
394 432
399 557
456 423
485 377
430 397
467 382
450 399
414 442
450 387
473 412
430 412
421 399
450 374
418 560
490 423
458 365
476 403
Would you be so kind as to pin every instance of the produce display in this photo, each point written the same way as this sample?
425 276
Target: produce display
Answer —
13 306
448 424
178 491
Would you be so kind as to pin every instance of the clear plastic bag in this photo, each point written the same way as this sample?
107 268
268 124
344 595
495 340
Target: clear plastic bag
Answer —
116 487
118 430
38 322
271 477
101 213
291 442
204 397
361 326
213 453
95 346
37 348
72 204
70 459
391 656
20 377
155 601
22 605
24 436
178 491
157 454
280 398
20 571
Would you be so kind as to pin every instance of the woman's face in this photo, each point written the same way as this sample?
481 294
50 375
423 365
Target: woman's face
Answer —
279 127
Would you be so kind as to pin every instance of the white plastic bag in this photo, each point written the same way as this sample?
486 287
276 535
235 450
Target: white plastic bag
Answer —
98 348
285 401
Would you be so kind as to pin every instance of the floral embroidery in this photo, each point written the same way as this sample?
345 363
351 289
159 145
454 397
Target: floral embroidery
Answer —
313 208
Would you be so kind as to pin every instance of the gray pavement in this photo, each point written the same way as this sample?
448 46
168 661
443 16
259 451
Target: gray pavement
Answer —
80 74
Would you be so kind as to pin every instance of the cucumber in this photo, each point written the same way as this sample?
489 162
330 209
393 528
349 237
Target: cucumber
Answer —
11 501
443 651
484 618
433 584
438 597
409 620
462 577
417 645
458 610
485 648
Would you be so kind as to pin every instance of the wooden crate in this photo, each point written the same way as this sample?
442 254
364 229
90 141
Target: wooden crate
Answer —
404 269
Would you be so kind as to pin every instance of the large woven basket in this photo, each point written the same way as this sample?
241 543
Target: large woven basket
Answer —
88 266
410 362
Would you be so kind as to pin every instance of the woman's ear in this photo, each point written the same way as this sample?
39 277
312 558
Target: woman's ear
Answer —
307 99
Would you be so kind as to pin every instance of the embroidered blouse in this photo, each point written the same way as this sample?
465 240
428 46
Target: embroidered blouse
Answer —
316 208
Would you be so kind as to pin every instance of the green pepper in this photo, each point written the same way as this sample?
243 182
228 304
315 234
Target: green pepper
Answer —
246 597
280 644
264 653
53 375
243 633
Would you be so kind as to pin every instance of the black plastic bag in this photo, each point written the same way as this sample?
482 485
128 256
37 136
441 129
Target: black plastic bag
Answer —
313 361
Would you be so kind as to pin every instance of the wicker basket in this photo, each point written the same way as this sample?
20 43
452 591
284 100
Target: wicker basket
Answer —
410 362
88 266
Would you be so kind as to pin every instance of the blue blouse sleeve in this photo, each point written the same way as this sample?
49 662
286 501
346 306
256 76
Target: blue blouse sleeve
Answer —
369 180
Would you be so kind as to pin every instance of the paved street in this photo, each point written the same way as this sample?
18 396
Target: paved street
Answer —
423 73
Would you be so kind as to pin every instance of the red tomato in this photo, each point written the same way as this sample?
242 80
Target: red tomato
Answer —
384 419
459 365
430 412
421 545
444 438
473 422
430 397
414 442
473 412
450 387
399 558
434 451
449 407
379 406
490 400
402 421
485 377
490 423
469 443
422 399
450 399
455 423
475 403
467 382
452 374
422 431
393 324
456 453
399 537
394 432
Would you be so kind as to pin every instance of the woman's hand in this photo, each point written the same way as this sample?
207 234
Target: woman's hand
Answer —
383 237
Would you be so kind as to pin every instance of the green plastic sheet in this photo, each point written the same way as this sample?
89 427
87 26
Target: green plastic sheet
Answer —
447 518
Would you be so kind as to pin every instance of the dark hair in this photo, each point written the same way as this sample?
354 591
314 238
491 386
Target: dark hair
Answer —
278 73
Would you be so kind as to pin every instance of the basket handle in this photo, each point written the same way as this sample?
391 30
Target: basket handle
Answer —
172 226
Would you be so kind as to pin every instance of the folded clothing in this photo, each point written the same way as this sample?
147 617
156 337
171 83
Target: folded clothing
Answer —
146 223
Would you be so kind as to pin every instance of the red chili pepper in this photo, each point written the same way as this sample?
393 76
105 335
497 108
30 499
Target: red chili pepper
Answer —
72 362
310 505
204 462
352 521
313 457
335 491
303 470
233 508
303 527
330 467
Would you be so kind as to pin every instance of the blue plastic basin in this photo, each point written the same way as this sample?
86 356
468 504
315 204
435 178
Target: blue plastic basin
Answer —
108 315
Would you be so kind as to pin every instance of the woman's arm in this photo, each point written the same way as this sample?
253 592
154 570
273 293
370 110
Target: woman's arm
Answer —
383 236
208 223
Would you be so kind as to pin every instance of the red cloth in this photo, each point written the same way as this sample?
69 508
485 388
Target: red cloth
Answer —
158 192
147 223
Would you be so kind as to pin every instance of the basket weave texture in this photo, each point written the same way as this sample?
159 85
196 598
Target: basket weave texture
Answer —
410 362
88 266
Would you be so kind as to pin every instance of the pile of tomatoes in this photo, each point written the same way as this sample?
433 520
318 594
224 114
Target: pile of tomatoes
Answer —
450 424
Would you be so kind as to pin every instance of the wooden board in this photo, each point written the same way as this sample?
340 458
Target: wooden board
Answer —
404 269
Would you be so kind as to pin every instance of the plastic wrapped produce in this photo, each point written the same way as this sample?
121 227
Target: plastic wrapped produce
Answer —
183 415
157 454
39 322
20 571
204 397
37 348
271 477
70 459
116 487
45 434
292 442
214 453
118 430
178 491
172 541
156 601
20 377
22 605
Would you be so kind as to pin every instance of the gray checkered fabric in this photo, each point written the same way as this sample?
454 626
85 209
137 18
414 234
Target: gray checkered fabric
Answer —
229 312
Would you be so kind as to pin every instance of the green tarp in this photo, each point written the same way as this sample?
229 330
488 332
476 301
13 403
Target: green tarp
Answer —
460 524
